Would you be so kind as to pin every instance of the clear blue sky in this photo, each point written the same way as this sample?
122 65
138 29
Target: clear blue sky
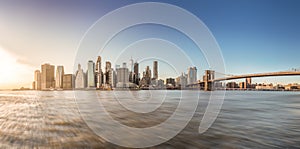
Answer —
254 35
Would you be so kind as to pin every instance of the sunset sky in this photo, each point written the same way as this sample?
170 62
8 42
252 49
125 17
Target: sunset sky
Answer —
254 35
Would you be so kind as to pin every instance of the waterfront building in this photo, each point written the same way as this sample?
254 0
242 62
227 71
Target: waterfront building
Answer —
232 85
192 75
131 64
99 74
291 87
248 83
146 80
59 77
122 77
160 83
114 78
136 78
91 74
108 74
170 82
68 81
242 85
181 81
80 80
33 85
155 70
47 77
148 72
264 87
37 80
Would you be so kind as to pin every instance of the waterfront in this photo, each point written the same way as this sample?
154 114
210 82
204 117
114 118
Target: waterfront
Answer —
248 119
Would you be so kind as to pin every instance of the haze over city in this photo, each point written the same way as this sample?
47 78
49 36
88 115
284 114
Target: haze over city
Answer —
254 36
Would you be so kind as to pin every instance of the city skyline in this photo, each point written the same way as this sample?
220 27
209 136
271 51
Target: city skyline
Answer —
124 77
261 38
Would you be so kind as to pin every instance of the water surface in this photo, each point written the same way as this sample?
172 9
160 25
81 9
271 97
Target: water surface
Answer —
51 119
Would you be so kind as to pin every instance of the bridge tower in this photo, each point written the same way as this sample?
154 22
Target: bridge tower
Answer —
208 80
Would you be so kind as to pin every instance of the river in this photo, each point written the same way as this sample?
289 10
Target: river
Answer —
51 119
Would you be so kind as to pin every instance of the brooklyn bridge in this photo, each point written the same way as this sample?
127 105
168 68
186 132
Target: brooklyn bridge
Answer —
209 81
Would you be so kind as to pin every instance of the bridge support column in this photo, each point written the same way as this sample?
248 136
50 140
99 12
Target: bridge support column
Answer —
208 80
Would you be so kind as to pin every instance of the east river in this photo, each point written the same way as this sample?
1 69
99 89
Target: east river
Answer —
53 119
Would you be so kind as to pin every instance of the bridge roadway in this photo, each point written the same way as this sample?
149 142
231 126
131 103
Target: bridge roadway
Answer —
270 74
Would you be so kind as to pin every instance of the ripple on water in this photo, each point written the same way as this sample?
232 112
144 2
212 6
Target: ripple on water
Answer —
247 120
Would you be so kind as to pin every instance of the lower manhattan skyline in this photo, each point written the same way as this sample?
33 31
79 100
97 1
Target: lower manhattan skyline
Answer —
149 74
261 37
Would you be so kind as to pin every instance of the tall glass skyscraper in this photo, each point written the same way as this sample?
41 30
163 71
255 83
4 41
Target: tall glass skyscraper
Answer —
59 77
91 74
47 77
192 75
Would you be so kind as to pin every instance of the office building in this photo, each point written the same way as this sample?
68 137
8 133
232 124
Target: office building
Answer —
122 77
136 78
146 80
155 71
47 77
108 73
192 75
68 81
59 77
33 85
37 80
99 75
170 82
181 81
80 78
91 74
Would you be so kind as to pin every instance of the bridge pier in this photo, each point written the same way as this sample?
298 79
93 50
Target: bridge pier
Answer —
208 80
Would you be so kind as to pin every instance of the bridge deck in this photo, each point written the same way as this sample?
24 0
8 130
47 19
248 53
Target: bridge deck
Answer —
286 73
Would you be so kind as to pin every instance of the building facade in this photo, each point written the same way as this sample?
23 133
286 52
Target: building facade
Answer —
155 70
59 77
170 82
91 74
192 75
80 78
122 77
68 81
99 73
37 80
47 77
136 77
181 81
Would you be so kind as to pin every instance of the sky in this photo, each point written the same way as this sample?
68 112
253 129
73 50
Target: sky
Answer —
254 36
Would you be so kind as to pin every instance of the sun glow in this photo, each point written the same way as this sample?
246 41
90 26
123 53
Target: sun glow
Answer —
12 73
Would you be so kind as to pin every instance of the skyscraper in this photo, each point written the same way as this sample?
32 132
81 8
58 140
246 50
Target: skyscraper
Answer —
131 64
47 77
136 73
80 78
37 80
146 80
91 74
59 77
98 72
155 71
192 75
122 76
148 72
108 73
